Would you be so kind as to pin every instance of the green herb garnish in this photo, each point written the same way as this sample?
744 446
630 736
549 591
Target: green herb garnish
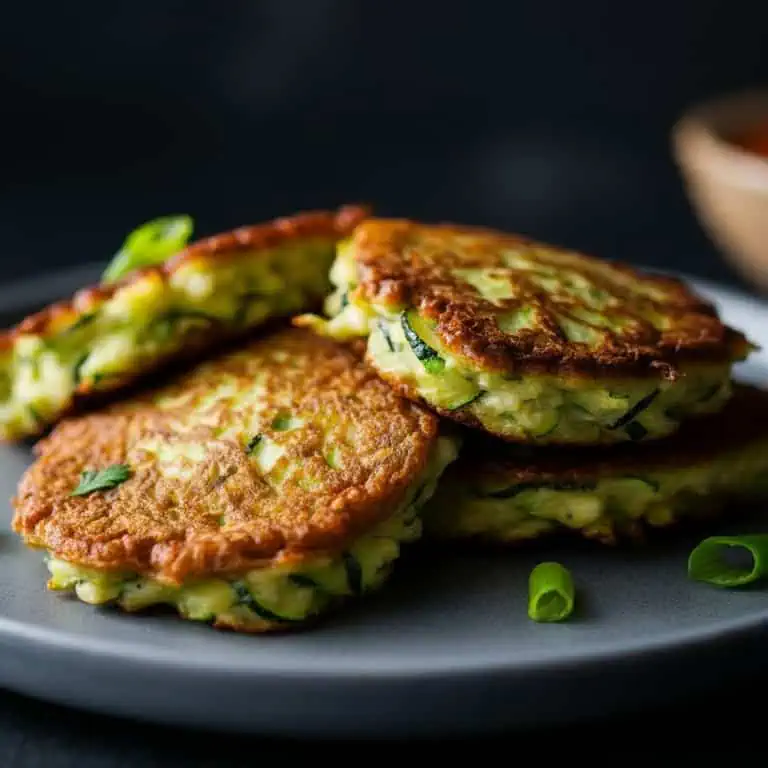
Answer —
151 243
252 444
550 593
102 479
709 560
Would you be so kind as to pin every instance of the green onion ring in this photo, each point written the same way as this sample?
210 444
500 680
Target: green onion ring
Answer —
707 562
550 593
151 243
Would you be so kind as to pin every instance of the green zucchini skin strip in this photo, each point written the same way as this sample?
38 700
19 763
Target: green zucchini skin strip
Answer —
253 444
635 410
387 337
471 400
354 574
76 370
706 562
428 356
551 593
245 598
302 580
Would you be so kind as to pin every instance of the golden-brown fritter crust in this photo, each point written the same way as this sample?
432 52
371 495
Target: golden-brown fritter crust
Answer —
226 516
403 263
742 422
333 225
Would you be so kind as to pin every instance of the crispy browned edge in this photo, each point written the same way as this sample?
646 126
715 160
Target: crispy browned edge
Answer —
332 224
347 519
743 421
384 277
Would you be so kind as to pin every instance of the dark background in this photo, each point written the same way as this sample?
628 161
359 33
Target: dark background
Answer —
550 117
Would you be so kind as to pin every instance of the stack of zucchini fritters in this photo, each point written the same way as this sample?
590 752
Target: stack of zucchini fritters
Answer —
462 382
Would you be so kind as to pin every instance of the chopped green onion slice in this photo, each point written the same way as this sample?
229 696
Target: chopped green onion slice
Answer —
151 243
550 592
708 561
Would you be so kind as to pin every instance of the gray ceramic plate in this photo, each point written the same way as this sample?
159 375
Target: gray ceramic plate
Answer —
446 649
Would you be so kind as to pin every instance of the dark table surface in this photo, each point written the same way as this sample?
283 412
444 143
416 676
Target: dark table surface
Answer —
43 228
39 734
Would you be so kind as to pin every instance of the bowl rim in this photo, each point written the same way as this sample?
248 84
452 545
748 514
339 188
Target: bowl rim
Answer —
701 143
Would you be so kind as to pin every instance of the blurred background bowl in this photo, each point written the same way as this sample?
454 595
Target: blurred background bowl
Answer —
721 149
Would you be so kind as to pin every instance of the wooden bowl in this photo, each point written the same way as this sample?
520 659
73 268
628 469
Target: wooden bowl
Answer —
726 183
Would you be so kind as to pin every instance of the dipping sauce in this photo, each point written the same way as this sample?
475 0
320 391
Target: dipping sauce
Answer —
755 139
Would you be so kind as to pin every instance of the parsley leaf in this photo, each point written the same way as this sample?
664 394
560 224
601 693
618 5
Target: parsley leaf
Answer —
252 444
102 479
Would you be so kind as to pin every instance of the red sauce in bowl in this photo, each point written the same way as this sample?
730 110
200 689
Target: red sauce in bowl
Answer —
754 140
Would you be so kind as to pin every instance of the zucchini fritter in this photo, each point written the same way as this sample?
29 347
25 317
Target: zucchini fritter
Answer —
108 335
532 343
503 492
255 491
